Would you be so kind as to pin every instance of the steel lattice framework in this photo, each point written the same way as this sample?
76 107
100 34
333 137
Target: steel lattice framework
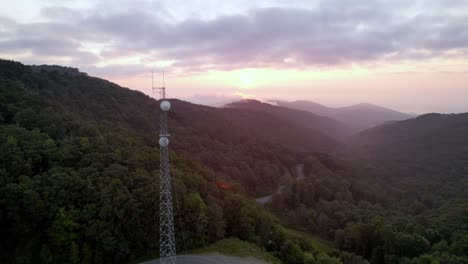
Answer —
167 243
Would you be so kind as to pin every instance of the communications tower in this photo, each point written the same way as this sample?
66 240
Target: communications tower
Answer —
167 243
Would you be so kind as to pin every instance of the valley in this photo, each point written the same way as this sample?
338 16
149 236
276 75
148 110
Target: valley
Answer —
79 179
267 198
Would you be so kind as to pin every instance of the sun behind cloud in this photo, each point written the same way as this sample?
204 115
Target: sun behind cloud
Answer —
246 83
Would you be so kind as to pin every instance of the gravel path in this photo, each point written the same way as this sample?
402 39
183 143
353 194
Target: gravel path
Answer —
211 258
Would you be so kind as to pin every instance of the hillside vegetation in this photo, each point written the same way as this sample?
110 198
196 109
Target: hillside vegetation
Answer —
359 116
79 179
320 128
425 158
80 172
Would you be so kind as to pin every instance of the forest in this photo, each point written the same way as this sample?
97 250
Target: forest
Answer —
79 179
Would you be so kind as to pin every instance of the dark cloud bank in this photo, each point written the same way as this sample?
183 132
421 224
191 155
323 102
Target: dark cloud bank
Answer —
334 33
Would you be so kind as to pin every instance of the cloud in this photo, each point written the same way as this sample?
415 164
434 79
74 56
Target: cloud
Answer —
216 100
330 33
59 42
119 70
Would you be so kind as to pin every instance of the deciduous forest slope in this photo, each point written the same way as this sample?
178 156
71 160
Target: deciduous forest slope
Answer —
79 179
359 116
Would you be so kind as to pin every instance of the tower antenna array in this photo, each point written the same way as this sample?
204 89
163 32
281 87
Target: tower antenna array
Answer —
167 244
162 89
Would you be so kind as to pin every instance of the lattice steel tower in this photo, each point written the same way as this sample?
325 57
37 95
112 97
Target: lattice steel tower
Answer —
167 243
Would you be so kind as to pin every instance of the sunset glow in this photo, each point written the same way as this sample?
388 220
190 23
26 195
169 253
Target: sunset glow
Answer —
213 53
238 131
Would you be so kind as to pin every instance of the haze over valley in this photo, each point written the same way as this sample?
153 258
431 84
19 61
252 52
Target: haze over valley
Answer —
266 132
80 157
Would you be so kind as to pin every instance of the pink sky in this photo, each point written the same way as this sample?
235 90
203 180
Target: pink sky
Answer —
411 92
412 57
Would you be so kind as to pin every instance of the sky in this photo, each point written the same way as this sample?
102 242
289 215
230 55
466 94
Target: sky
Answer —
411 56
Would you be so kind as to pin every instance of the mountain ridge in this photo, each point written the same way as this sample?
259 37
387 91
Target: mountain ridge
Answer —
360 116
431 147
418 127
79 180
326 126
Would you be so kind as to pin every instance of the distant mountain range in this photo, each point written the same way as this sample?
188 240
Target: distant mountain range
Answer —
80 157
359 116
323 131
429 133
431 148
265 122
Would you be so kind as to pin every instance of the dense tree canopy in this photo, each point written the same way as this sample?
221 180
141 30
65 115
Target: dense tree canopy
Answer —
79 181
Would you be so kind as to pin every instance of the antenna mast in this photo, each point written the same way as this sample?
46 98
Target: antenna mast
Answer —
162 89
167 244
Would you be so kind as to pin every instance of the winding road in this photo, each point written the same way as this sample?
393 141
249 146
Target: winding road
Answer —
300 172
299 177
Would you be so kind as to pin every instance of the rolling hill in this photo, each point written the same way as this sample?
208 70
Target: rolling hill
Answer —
79 178
318 126
251 123
442 130
80 160
431 148
79 174
359 117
